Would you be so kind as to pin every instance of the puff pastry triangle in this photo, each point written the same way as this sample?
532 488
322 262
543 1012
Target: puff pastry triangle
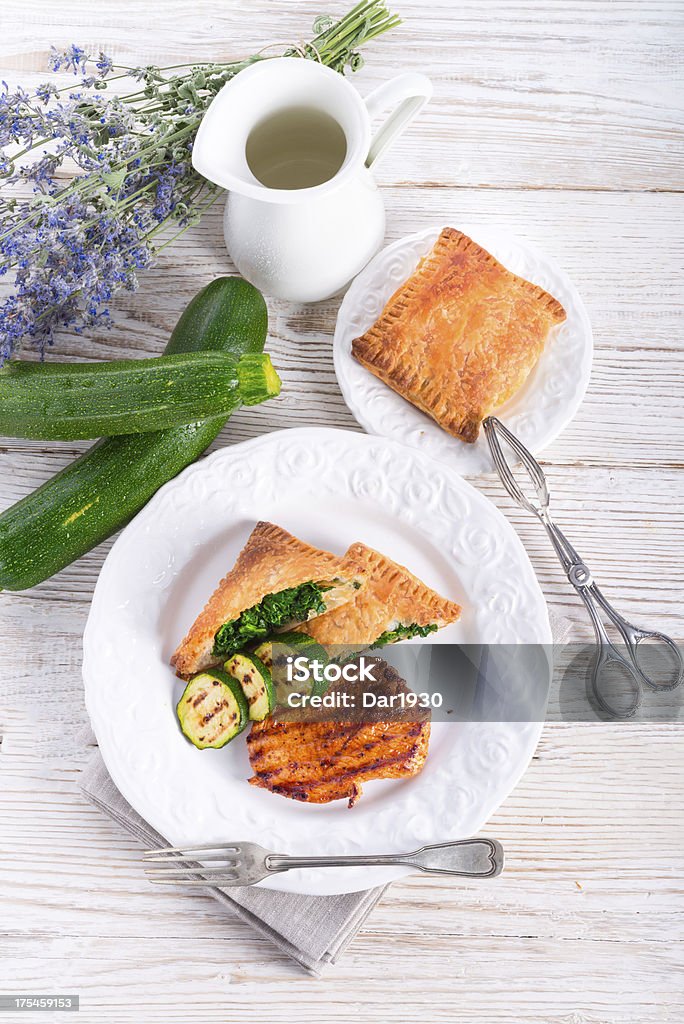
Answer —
392 597
272 560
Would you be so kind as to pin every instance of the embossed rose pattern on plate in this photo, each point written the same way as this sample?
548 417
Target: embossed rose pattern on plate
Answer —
330 487
536 414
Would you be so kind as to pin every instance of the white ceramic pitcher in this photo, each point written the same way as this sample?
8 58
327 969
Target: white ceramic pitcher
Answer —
303 244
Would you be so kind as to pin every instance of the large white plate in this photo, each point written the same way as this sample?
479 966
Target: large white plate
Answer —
536 414
330 487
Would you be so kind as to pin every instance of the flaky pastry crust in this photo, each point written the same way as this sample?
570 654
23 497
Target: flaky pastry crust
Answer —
461 336
272 560
392 596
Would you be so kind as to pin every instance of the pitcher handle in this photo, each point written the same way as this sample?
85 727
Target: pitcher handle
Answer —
407 94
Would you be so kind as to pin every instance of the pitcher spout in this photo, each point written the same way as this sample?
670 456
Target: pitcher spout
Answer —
242 124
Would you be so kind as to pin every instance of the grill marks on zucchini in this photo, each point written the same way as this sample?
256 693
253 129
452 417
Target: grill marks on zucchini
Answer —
212 710
255 680
217 704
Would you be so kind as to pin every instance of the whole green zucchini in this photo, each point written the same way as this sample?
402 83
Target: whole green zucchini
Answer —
73 401
98 493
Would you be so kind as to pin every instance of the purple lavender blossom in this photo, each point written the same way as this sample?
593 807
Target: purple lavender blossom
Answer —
72 242
72 247
72 59
104 65
68 266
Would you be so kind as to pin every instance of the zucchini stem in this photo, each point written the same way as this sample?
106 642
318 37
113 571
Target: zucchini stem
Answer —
257 377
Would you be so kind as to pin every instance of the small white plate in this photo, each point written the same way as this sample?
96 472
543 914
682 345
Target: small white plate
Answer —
536 414
330 487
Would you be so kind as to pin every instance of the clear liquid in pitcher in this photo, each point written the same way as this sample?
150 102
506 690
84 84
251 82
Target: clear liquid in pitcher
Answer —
297 147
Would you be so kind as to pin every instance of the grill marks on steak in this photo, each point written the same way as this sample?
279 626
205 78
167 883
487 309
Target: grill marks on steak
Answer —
322 760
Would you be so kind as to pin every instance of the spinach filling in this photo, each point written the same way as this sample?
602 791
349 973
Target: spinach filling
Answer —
392 636
274 611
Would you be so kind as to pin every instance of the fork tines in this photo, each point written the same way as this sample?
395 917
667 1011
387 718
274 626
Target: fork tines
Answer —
166 853
177 864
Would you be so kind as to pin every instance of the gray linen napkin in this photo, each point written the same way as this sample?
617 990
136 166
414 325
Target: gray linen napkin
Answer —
313 930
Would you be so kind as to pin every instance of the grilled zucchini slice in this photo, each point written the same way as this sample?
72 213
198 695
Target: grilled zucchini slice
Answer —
264 652
212 710
296 643
291 643
255 680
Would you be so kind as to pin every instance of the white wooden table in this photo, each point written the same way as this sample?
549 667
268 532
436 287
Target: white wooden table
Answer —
558 120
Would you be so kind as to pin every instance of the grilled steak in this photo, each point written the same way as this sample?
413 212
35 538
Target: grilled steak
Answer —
328 756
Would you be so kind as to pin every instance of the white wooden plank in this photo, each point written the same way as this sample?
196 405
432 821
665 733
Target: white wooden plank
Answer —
624 252
532 99
564 908
617 466
629 526
553 94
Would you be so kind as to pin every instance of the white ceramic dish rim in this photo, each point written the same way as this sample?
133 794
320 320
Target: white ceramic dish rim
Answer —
538 419
526 734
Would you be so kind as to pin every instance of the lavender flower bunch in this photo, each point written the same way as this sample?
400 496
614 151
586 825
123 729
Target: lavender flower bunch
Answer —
94 185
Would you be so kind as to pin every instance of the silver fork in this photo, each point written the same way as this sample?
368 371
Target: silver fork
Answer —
247 863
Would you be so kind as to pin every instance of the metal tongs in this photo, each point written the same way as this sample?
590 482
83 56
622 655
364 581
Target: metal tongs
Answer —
609 659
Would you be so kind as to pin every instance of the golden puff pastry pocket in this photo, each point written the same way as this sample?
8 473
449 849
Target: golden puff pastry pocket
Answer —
461 336
393 605
273 563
